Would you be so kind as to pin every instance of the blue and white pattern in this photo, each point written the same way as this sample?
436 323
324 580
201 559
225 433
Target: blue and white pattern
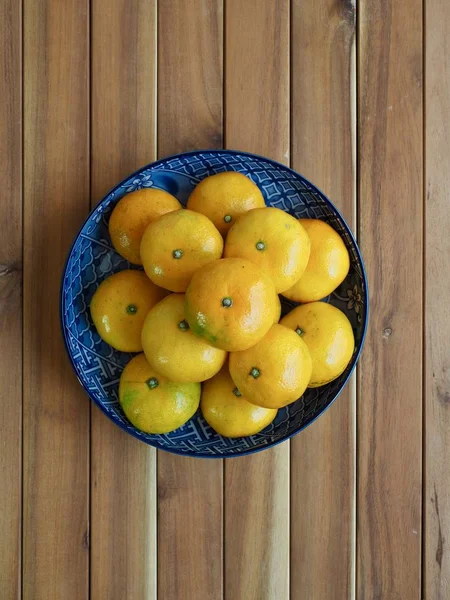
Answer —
92 259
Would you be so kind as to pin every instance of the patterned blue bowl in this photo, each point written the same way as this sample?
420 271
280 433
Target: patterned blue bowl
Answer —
92 258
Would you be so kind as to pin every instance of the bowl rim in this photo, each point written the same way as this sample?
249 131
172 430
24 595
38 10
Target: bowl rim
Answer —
135 432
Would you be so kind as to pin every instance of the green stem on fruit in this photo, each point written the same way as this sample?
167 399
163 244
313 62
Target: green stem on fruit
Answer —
177 253
255 373
152 383
131 309
227 302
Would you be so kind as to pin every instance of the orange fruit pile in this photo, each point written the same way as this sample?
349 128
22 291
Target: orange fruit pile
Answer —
205 312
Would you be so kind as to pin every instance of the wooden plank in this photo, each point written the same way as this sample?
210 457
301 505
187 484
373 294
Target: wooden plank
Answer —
436 567
323 149
56 191
390 384
257 120
189 117
123 490
11 296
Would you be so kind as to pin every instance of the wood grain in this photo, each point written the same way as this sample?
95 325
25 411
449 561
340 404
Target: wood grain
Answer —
190 57
390 385
56 192
436 568
11 296
189 117
257 120
324 149
123 129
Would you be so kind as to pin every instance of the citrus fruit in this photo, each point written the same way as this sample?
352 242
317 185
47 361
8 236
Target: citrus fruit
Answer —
119 307
151 402
274 241
275 371
329 336
228 412
327 267
231 303
172 349
177 244
131 216
277 314
225 197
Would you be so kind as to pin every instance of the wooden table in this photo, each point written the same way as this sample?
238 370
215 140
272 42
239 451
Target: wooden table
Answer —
356 99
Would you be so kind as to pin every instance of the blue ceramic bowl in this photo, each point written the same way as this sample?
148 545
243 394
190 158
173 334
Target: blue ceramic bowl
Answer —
92 259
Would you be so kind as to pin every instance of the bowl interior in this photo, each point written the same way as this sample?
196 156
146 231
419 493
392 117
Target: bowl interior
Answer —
92 259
